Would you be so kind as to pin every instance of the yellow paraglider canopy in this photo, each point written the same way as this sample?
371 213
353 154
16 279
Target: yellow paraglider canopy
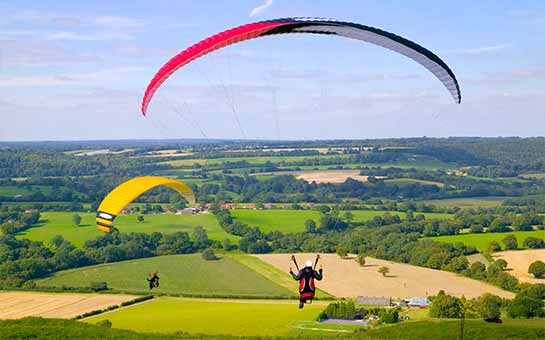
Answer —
128 191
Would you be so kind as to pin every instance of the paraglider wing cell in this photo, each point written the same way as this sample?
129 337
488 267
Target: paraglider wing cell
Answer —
128 191
350 30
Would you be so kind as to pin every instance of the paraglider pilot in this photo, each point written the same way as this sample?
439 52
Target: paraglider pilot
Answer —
153 280
306 278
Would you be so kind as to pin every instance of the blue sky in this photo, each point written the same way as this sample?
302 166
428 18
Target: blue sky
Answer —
77 70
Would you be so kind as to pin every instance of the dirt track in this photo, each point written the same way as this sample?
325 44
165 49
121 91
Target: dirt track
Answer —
345 278
518 262
15 305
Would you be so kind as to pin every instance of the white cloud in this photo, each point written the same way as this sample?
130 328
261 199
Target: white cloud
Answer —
261 8
96 36
99 76
484 49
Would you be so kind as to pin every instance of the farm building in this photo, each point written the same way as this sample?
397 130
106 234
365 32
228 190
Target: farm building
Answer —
418 301
374 301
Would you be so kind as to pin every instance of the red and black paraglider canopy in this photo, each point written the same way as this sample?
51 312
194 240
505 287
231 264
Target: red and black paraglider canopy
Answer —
351 30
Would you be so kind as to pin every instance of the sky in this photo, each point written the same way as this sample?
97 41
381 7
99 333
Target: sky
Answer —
76 70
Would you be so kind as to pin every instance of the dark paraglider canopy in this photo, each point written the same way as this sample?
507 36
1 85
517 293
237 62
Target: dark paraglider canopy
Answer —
372 35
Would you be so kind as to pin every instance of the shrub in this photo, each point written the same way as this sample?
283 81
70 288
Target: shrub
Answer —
523 306
445 306
534 243
105 323
98 286
208 255
341 251
384 270
489 305
510 242
493 246
537 269
361 259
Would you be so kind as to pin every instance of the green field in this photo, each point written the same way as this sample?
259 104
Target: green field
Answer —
468 202
250 160
188 275
481 241
244 318
450 329
11 190
409 181
60 223
291 221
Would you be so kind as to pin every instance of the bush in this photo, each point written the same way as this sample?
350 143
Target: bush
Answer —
390 315
341 251
537 269
138 299
534 243
208 255
523 306
489 305
361 260
98 286
340 310
510 242
493 246
445 306
105 323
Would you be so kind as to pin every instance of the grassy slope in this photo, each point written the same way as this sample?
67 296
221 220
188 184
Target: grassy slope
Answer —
492 201
37 328
450 329
294 220
481 241
272 273
180 274
253 318
408 181
60 223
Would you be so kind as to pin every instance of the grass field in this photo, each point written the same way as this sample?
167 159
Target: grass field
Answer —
60 223
11 191
409 181
468 202
180 274
243 318
481 241
450 329
250 160
291 221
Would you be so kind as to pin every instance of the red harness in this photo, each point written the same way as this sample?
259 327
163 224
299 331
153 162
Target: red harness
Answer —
302 284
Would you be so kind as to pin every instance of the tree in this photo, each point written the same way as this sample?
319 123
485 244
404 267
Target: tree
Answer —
446 306
348 216
310 226
523 306
384 270
493 246
57 240
341 251
208 255
361 259
140 218
534 243
200 238
227 244
537 269
510 242
488 306
76 219
501 263
324 209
